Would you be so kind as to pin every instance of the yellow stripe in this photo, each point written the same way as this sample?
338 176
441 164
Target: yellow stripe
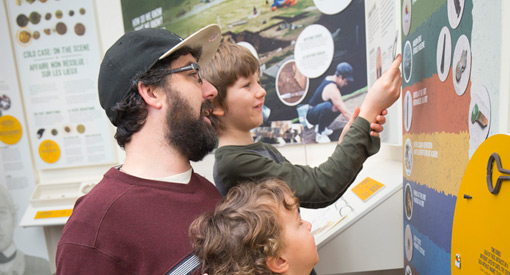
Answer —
53 214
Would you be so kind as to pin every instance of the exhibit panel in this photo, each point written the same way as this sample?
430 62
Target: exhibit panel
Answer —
449 107
451 104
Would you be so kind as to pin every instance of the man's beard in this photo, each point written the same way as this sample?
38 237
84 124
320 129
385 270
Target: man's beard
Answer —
193 137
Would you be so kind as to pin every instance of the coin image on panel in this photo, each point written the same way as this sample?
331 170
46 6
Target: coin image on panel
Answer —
22 20
34 18
47 16
37 34
80 128
79 29
24 36
59 14
71 13
47 31
82 11
61 28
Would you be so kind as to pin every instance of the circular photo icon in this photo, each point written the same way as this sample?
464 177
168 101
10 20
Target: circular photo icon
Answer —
314 50
461 67
479 117
455 10
408 110
291 84
408 201
5 102
408 243
331 6
408 157
408 61
443 53
406 16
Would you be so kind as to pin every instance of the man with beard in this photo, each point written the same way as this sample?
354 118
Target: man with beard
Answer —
136 219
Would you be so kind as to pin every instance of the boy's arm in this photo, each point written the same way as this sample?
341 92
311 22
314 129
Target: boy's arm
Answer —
384 92
315 187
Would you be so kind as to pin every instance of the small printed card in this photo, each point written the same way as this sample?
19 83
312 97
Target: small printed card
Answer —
366 188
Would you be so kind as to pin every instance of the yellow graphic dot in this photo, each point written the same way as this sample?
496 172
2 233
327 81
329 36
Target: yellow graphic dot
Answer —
49 151
481 220
10 130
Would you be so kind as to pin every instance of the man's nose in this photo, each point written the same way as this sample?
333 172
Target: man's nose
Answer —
208 90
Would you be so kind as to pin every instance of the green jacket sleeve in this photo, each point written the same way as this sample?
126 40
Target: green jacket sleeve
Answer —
315 187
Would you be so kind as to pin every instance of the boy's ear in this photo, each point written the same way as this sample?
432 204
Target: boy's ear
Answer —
150 95
218 110
277 264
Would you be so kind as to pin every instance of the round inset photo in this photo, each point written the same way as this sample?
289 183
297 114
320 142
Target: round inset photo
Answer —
5 102
461 67
406 16
408 243
331 7
479 117
291 84
314 50
408 61
444 53
455 10
408 111
408 201
408 157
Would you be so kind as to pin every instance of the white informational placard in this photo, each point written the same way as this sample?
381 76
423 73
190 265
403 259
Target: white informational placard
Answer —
383 45
57 54
16 171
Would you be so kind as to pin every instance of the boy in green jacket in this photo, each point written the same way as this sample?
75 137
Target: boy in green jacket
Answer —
234 71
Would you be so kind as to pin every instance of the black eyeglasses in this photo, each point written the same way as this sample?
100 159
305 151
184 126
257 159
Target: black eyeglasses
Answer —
192 66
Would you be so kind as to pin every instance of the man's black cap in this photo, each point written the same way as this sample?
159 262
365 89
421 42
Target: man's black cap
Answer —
137 51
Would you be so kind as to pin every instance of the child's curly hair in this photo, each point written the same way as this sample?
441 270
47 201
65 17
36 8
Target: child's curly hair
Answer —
244 230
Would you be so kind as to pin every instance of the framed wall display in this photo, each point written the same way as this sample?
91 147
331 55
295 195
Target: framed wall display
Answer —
57 55
299 43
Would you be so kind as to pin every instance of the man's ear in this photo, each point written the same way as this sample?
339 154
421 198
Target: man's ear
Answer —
218 110
277 264
150 95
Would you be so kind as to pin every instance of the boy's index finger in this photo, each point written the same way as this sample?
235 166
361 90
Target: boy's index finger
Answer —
397 61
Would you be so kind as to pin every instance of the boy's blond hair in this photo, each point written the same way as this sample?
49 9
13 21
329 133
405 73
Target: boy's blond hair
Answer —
244 230
230 62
